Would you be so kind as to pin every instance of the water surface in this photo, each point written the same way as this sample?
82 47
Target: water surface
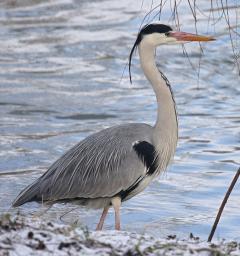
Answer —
61 64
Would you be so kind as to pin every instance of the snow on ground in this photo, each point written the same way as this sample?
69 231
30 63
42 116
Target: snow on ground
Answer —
22 237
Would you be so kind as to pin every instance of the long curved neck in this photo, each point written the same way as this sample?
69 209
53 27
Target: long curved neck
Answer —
166 127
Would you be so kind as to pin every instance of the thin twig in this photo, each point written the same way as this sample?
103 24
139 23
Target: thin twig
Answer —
160 9
226 15
223 205
65 213
150 10
147 14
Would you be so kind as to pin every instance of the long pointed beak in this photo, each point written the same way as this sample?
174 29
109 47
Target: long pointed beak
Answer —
182 36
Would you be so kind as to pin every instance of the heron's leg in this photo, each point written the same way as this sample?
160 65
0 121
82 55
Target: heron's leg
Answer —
101 221
116 202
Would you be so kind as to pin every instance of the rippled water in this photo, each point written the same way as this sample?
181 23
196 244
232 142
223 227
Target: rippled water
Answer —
61 64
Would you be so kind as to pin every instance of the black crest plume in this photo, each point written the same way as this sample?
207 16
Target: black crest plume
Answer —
147 29
138 40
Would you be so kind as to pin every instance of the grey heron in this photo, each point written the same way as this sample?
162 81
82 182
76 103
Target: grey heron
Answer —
115 164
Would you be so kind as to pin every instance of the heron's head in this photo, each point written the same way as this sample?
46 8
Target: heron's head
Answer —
156 34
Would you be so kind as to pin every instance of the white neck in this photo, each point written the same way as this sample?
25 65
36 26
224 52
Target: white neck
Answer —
166 128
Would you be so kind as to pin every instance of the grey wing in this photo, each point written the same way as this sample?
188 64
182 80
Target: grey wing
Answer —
101 165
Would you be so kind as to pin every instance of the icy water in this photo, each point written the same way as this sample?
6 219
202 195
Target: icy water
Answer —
61 64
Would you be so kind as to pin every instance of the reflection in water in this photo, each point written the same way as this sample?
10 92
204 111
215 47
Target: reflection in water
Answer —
61 64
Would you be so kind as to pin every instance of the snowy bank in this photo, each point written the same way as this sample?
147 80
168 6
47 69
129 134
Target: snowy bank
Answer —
20 236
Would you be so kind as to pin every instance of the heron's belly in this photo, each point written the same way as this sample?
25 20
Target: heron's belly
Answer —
101 202
94 203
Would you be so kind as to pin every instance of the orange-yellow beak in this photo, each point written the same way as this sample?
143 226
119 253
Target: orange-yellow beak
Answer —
182 36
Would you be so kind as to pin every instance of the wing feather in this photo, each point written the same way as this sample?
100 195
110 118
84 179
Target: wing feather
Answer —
101 165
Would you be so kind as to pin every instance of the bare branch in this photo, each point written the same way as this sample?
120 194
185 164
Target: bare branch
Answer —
223 205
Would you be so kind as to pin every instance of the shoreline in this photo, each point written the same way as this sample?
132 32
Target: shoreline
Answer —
21 236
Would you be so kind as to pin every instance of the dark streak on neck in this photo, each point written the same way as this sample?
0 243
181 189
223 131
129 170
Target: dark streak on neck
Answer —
170 89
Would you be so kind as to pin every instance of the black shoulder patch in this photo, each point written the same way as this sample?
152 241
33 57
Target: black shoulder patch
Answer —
147 153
